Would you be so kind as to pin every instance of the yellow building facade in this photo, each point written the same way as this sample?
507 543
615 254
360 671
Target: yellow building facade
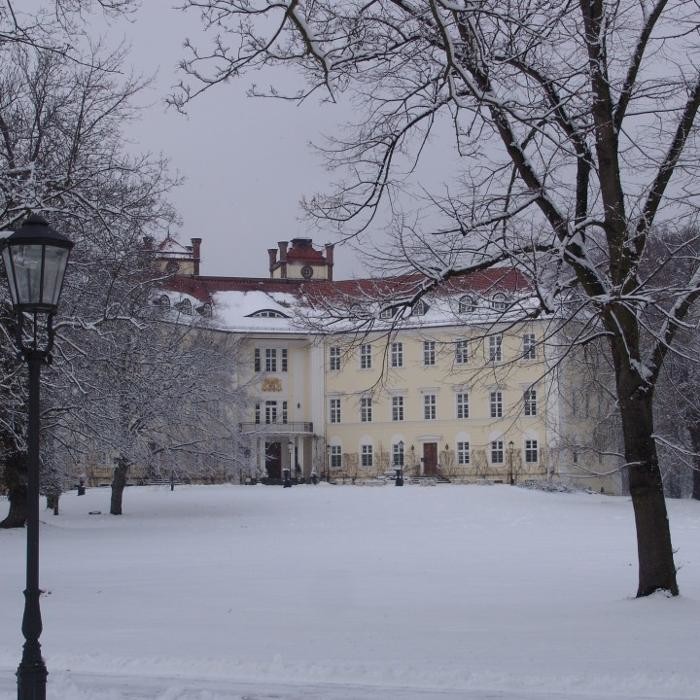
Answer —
460 389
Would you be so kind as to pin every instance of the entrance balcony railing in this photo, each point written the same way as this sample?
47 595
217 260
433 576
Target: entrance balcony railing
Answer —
291 428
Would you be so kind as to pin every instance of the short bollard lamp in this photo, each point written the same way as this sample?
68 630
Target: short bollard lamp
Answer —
35 258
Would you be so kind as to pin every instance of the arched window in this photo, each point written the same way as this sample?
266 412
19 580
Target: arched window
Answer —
163 301
466 304
499 302
267 313
386 314
420 309
184 306
204 310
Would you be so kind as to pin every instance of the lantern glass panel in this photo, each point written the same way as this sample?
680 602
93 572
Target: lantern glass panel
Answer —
10 272
26 261
54 269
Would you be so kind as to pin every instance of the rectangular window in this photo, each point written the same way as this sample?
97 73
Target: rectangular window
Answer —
366 409
334 358
256 360
257 412
284 412
462 453
497 452
334 411
496 404
336 457
529 347
270 411
284 359
365 357
428 352
531 452
429 406
462 352
397 354
367 456
462 405
495 348
270 360
397 408
530 402
398 455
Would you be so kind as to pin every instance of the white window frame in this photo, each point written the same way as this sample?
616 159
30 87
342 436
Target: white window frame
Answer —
496 404
497 452
462 400
366 356
530 401
335 460
430 406
398 454
271 360
529 347
532 451
367 456
462 351
397 408
496 348
499 302
365 409
397 354
429 353
334 410
270 412
334 358
463 452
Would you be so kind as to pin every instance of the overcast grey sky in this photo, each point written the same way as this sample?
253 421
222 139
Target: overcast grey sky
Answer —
246 161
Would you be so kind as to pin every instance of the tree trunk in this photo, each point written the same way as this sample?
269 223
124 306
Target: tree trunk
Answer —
657 570
52 502
16 481
118 484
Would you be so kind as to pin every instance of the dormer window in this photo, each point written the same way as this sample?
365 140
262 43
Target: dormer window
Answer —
466 304
386 314
204 310
499 302
420 309
268 313
163 301
184 306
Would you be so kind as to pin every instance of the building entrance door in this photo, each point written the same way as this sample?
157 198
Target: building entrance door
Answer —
429 458
273 460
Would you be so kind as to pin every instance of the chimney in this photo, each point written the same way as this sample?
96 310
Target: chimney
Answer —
196 245
283 258
329 260
272 254
148 242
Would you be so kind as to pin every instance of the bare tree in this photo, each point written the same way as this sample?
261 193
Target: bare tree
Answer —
575 125
61 154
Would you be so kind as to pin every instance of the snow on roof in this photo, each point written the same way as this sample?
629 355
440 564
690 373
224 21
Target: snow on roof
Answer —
235 300
233 310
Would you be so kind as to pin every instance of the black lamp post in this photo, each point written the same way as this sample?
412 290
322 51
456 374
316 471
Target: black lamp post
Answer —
35 258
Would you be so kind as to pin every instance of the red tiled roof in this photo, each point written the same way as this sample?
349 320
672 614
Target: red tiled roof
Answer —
497 279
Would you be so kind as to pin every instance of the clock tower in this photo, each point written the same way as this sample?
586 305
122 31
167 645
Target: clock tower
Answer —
301 261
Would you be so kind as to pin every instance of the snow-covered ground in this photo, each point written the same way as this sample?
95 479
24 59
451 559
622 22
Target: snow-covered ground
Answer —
342 593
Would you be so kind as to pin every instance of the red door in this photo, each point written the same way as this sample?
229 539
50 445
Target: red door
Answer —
429 458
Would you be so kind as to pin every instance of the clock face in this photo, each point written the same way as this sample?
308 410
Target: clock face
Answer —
307 272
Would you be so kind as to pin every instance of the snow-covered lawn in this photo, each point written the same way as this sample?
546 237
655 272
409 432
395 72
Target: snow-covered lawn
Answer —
352 592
